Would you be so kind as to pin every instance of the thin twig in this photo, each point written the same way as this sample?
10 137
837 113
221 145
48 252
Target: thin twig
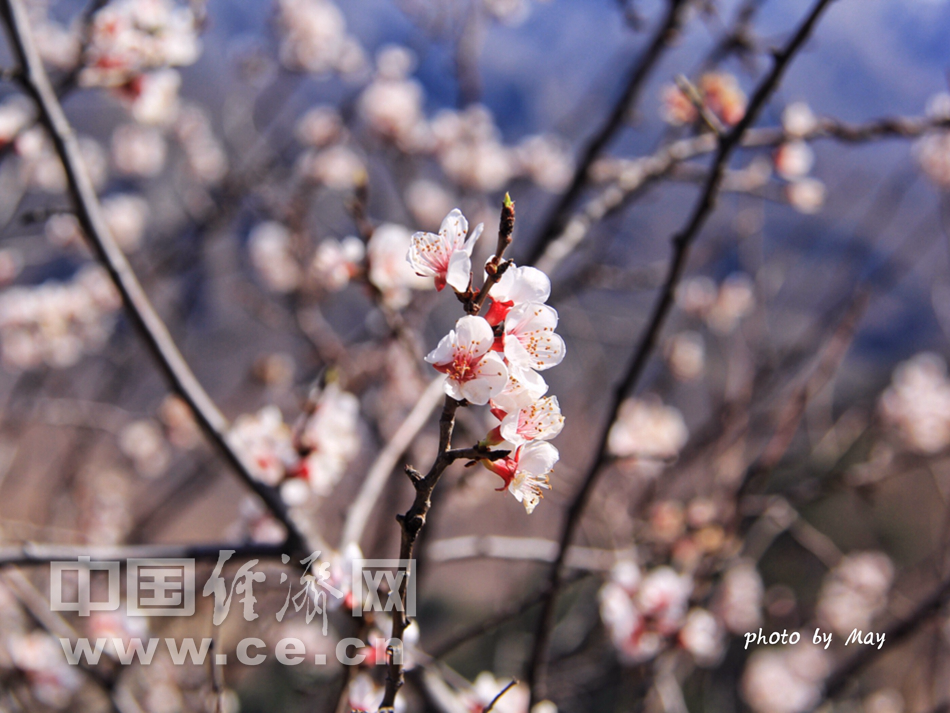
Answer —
146 319
39 554
681 243
639 73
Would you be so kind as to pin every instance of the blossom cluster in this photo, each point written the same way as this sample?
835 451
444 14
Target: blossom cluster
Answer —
645 613
917 403
309 458
131 37
855 591
794 160
495 359
467 144
720 94
55 323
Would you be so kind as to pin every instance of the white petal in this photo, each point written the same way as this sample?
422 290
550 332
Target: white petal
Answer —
445 352
538 457
474 335
473 238
521 285
491 377
453 229
459 272
541 420
523 388
530 340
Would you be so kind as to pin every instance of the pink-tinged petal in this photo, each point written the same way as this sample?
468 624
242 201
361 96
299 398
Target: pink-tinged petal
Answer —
460 271
491 375
530 340
453 229
474 335
521 285
428 255
541 420
453 388
444 353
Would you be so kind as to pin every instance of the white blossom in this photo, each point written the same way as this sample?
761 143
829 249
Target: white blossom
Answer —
464 355
446 256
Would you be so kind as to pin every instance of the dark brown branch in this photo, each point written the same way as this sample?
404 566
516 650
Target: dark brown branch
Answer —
145 318
411 524
495 267
639 73
30 554
681 242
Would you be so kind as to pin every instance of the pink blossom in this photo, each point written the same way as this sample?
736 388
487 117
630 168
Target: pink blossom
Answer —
541 421
530 340
526 472
446 256
465 356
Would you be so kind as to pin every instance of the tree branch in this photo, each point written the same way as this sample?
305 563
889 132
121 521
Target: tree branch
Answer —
681 243
89 212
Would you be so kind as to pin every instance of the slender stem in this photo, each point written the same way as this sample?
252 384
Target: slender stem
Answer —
681 242
89 212
37 554
639 73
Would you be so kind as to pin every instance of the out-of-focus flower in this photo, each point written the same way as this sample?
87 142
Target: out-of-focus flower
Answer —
787 680
320 126
469 149
474 372
337 167
643 614
329 439
143 442
336 262
917 403
153 97
363 694
314 38
389 271
275 370
204 154
686 355
885 700
696 295
855 591
546 160
735 300
138 151
127 217
428 202
933 154
702 636
269 245
794 160
58 46
720 93
392 103
526 472
181 429
40 657
266 443
15 115
740 597
56 323
806 195
447 255
11 262
129 37
798 120
645 428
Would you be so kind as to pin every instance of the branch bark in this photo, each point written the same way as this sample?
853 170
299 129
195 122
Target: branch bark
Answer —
155 334
681 243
